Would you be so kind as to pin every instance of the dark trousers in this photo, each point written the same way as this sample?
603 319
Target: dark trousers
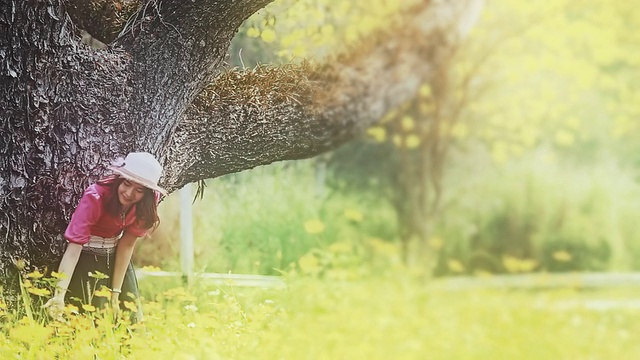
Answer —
82 286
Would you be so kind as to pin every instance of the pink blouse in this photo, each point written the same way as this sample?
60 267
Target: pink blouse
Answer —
91 218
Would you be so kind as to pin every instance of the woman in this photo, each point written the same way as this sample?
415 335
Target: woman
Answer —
111 216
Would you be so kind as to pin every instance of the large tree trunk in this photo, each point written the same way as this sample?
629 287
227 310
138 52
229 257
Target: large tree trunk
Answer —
68 109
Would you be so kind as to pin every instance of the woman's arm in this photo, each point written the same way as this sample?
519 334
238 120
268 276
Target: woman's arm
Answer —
67 267
124 251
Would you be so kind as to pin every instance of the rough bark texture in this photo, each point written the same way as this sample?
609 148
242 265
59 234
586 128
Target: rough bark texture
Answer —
67 109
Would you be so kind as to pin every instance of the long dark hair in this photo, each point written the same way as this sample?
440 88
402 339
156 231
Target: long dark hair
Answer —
146 208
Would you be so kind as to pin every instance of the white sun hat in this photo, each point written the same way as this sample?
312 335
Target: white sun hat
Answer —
142 168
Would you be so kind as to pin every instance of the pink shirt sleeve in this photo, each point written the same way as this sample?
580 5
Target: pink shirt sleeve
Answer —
87 214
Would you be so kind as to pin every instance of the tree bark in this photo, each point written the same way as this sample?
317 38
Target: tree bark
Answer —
160 86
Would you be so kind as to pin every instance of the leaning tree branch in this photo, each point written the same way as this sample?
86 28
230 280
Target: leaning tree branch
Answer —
177 48
251 118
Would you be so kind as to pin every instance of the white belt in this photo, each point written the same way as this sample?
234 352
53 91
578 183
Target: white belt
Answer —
98 242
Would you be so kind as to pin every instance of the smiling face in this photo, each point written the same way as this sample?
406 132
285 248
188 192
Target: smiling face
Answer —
130 192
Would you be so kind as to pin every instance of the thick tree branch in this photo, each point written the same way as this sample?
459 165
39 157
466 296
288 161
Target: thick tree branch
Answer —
177 48
252 118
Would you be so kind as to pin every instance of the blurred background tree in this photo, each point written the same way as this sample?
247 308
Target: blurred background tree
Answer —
519 156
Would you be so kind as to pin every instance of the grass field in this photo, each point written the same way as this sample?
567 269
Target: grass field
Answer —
392 317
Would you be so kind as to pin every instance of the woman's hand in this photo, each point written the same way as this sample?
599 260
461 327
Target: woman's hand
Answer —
55 307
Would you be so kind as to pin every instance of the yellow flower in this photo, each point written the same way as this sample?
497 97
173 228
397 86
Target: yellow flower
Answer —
562 256
353 215
460 131
455 266
340 247
436 242
253 32
268 35
130 305
314 226
89 308
383 247
408 123
31 333
565 138
378 133
103 292
151 268
71 309
39 292
58 275
514 264
425 90
35 274
412 141
309 264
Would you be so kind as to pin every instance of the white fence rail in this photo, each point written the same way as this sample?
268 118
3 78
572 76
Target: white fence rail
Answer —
263 281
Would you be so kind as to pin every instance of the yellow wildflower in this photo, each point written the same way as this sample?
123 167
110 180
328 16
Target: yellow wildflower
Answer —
58 275
455 266
407 123
314 226
378 133
35 274
71 309
309 264
103 292
268 35
412 141
130 305
39 292
436 242
253 32
562 256
353 215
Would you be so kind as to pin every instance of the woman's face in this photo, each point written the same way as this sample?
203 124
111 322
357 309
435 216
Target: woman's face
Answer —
130 193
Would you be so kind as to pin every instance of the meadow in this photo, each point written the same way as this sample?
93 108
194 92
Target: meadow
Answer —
347 293
542 178
391 317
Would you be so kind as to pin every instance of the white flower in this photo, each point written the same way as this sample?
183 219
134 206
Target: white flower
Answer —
191 325
191 307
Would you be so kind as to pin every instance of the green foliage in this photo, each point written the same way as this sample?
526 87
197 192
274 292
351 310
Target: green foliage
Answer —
264 220
555 215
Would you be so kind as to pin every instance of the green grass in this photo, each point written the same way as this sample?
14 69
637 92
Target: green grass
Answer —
254 222
392 317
